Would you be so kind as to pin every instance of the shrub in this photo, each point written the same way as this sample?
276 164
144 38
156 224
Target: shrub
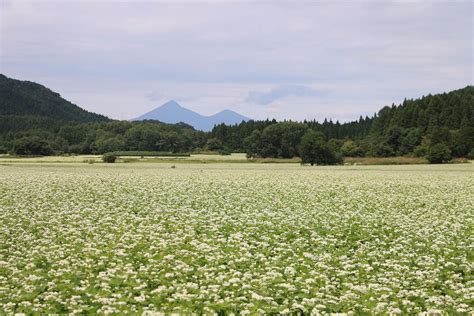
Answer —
109 158
439 153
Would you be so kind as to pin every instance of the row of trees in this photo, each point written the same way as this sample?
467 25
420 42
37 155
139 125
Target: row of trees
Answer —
413 128
291 139
98 138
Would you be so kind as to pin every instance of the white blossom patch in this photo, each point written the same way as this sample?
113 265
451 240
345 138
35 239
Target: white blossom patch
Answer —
236 239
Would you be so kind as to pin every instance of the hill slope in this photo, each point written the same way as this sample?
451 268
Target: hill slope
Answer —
25 98
409 128
172 112
451 110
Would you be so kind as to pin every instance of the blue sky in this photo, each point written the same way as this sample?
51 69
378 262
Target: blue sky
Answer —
277 59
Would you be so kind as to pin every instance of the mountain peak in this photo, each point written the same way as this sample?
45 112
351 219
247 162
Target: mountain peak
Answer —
172 112
226 111
171 104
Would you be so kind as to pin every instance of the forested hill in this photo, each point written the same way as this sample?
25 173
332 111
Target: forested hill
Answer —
28 99
395 130
452 110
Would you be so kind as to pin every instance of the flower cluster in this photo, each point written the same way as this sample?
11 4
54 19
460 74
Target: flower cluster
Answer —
236 238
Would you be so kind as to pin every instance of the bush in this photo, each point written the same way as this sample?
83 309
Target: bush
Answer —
109 158
439 153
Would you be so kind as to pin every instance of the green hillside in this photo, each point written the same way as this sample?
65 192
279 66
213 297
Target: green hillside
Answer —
407 129
25 98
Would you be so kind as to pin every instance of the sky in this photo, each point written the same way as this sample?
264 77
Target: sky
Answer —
264 59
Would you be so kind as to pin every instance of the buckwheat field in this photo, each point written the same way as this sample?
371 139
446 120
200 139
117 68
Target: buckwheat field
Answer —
236 238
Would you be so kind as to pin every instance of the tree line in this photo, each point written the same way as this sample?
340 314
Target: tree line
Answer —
439 126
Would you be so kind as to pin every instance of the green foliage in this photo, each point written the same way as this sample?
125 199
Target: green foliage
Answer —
440 135
109 158
420 151
411 138
439 153
214 144
393 131
25 98
350 149
32 146
471 154
315 150
253 144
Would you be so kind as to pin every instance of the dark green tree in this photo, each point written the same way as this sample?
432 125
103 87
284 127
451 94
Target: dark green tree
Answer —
315 150
439 153
32 146
253 144
214 144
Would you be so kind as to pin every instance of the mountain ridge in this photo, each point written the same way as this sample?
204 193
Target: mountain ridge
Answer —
26 98
172 112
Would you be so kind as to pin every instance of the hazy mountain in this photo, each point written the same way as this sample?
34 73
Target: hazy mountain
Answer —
29 99
172 112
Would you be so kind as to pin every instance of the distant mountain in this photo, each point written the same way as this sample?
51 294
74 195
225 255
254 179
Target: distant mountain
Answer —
28 99
172 112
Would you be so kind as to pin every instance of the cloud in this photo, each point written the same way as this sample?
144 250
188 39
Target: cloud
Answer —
154 96
264 98
109 55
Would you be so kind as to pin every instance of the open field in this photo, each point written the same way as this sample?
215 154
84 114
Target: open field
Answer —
214 158
235 157
242 238
193 158
394 160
